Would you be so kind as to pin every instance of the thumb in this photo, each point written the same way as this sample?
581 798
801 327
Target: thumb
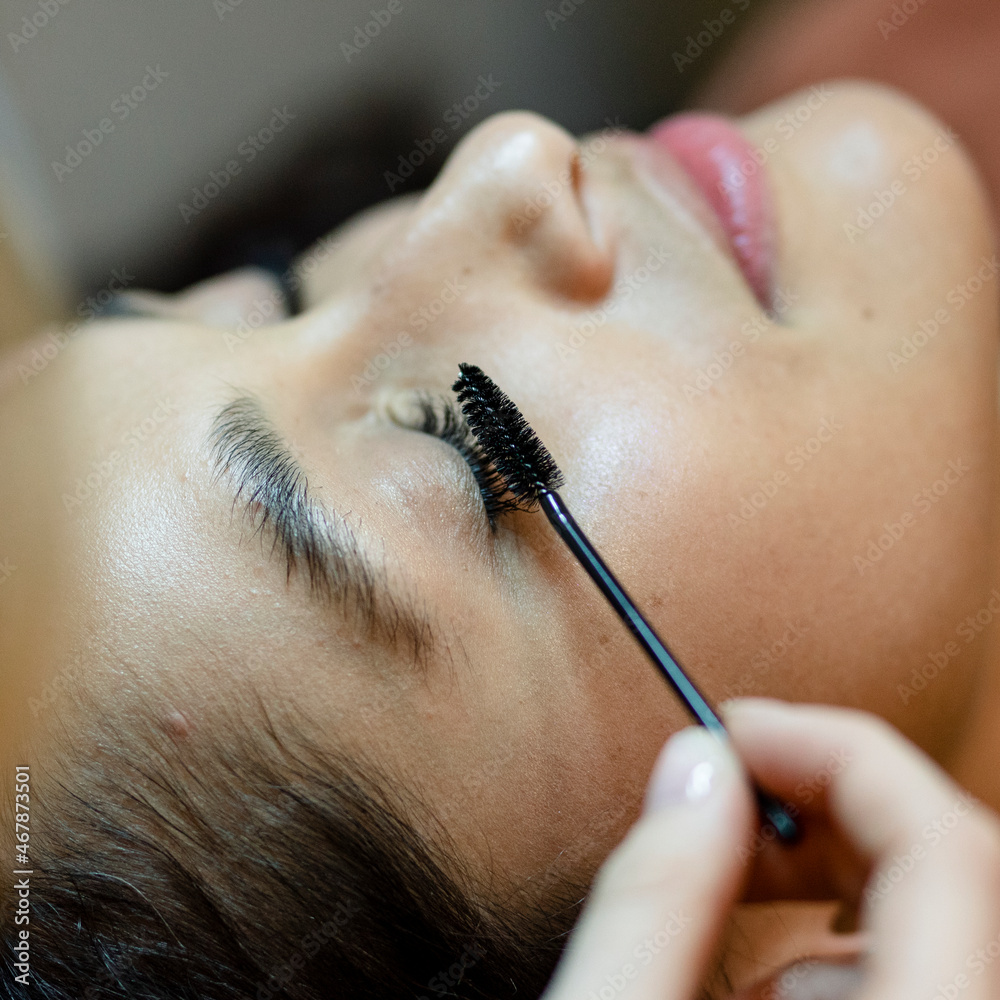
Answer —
659 904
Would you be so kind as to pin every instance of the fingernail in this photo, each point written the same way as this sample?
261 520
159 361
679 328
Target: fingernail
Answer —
688 771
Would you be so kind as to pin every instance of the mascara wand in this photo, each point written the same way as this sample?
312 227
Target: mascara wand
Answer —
532 478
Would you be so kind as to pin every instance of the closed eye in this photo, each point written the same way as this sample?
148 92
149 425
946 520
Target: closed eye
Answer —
443 418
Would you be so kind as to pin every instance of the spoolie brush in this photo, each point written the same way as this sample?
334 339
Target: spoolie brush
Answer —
532 478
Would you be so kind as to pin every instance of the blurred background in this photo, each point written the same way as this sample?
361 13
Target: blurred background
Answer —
151 145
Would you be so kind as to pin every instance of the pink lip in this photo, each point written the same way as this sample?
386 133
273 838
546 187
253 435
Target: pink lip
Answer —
719 160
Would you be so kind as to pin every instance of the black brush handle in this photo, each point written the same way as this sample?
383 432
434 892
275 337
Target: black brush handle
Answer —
555 510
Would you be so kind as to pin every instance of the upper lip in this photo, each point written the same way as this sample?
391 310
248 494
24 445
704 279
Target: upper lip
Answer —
683 192
672 186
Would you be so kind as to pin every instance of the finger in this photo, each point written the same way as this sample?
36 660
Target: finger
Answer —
822 866
932 901
659 903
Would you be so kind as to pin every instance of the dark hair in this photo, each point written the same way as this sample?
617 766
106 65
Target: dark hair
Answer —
258 865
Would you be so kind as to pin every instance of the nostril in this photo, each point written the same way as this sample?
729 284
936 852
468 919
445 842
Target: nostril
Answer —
549 192
520 184
558 230
576 172
595 263
587 205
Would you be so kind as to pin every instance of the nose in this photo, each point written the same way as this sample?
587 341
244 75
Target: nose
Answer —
514 195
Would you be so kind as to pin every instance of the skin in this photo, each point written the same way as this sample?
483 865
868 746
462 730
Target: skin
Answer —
165 595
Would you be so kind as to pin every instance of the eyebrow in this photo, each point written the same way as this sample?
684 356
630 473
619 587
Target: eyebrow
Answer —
273 489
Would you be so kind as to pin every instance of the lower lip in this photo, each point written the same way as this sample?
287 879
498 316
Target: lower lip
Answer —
716 155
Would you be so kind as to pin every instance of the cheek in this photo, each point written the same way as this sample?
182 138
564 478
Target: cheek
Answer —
827 557
881 215
808 530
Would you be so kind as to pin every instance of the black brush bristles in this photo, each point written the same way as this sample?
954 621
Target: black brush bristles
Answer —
441 418
518 456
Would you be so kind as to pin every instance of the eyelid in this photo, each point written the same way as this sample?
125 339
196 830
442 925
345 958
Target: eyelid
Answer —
463 441
123 304
442 418
223 300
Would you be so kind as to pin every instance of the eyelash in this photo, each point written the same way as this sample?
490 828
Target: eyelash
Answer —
444 420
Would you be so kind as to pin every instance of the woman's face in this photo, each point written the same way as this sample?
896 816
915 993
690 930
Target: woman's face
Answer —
800 500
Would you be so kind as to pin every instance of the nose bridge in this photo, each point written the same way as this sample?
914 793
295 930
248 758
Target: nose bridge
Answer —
507 166
508 197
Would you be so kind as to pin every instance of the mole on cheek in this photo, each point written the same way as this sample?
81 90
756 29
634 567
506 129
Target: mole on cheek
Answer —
176 725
